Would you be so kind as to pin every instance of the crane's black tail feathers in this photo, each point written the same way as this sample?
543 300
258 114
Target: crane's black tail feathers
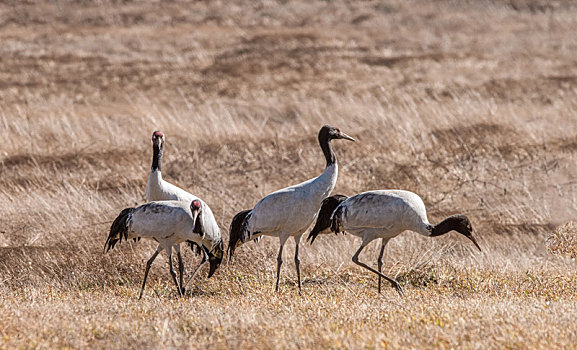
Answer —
119 229
238 230
328 206
337 220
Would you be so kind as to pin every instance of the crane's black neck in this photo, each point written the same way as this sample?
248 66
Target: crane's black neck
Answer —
156 157
449 224
325 143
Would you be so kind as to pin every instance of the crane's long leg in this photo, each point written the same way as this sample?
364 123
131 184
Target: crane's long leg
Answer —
392 281
198 269
279 260
384 242
148 264
204 260
298 260
180 268
172 272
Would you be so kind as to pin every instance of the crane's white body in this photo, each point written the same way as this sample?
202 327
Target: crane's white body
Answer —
167 222
159 190
383 214
291 210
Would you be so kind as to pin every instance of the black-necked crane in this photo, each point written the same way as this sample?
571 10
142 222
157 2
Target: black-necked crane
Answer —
290 211
169 223
157 189
386 214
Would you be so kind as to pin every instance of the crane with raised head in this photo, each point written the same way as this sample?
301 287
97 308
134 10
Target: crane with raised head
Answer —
290 211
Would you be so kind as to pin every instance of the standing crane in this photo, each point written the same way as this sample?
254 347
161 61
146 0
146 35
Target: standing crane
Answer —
157 189
290 211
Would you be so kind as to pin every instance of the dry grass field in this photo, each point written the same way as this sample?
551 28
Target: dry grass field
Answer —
471 104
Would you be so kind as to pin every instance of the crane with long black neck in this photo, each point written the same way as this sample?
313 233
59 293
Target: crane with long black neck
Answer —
290 211
157 189
384 214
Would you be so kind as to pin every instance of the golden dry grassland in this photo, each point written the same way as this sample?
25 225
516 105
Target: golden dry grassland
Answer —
471 104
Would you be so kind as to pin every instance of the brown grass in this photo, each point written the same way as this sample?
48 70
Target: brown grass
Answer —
470 104
564 241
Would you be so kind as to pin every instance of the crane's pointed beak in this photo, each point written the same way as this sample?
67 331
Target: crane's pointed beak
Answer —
342 135
475 242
